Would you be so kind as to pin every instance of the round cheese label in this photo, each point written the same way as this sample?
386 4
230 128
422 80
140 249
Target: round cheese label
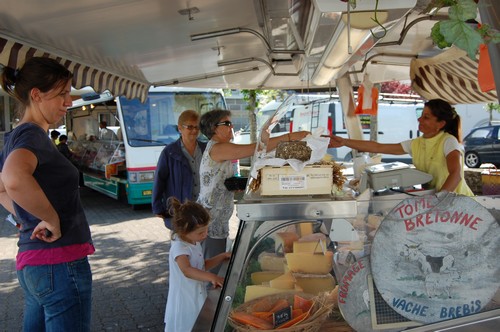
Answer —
437 259
354 298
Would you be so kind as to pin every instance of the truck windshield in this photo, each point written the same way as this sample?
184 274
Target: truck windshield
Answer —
155 121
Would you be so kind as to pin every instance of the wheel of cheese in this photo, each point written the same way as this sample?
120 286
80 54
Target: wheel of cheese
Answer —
437 259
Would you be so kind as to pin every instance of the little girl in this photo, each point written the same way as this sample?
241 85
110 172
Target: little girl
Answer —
187 289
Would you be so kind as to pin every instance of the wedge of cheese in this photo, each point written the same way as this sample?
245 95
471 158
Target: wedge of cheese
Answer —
271 262
305 228
284 242
309 263
264 276
284 281
315 284
255 291
310 247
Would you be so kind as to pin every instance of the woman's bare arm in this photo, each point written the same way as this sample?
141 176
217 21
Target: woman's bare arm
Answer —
21 187
366 146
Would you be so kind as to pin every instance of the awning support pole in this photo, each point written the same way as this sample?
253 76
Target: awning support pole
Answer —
353 126
490 12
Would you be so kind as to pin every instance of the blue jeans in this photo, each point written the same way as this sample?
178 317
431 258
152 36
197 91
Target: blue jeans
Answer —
57 297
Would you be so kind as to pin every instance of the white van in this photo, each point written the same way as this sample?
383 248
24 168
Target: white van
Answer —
396 123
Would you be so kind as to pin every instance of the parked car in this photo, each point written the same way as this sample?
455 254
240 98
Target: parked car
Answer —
482 145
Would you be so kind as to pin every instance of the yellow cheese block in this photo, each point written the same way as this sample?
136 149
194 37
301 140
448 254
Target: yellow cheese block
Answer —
315 284
271 262
255 291
305 228
285 281
264 276
310 247
284 242
309 263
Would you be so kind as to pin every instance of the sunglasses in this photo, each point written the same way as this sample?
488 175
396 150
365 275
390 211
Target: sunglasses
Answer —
190 127
224 123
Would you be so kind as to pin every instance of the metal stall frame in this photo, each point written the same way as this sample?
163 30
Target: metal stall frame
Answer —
281 212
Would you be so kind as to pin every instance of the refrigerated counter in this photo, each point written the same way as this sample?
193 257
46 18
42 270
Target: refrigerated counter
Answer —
351 224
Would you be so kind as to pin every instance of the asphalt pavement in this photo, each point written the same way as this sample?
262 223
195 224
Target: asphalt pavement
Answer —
130 267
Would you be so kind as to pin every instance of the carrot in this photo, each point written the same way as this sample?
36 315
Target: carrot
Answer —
248 319
297 312
279 304
302 303
262 305
265 315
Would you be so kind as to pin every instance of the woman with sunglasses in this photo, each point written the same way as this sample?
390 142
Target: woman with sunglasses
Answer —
178 170
216 167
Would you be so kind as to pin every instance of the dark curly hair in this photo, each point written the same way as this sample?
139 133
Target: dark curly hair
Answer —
187 216
209 120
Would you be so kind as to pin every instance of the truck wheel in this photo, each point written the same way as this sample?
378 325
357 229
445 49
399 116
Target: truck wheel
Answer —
472 160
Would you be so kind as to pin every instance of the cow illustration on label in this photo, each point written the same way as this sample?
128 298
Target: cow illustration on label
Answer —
434 259
438 271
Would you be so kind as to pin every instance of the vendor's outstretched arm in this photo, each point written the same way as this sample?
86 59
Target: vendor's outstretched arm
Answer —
365 146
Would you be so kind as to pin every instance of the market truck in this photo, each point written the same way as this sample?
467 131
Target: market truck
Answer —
123 164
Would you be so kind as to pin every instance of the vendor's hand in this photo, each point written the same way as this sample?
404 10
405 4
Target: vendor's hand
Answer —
336 142
46 232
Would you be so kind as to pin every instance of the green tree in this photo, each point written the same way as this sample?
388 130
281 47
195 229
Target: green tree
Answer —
255 99
490 107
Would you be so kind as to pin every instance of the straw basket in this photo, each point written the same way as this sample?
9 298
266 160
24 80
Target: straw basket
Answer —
491 181
320 311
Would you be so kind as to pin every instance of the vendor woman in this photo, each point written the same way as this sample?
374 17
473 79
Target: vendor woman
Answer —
438 151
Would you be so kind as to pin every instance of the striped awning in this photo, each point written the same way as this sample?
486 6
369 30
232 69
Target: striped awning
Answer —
451 76
132 84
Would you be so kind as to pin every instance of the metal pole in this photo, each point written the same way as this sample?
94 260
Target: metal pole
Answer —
489 10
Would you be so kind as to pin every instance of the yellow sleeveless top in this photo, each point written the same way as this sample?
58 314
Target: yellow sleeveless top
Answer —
428 156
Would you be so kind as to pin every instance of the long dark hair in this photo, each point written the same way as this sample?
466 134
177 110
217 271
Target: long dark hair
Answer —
188 216
443 111
42 73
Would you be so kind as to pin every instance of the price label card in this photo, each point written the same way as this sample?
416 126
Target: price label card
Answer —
282 316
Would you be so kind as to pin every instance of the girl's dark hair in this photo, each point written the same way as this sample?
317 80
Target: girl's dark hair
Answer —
443 111
37 72
209 120
188 216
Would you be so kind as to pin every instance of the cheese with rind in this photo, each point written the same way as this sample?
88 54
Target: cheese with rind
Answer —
309 263
255 291
315 284
271 262
264 276
310 247
284 281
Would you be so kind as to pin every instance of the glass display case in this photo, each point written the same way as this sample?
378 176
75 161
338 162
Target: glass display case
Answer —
319 247
98 155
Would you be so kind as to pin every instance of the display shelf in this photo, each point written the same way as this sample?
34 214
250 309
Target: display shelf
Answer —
350 224
96 155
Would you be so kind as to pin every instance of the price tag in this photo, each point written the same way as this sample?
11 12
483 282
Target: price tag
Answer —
282 316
